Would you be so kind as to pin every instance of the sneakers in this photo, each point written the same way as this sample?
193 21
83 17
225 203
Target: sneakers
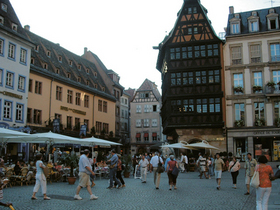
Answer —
77 197
93 197
247 193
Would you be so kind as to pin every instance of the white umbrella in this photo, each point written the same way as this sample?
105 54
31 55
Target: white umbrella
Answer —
178 146
203 144
96 141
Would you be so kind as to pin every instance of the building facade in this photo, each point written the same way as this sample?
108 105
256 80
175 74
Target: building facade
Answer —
124 121
252 74
190 60
145 118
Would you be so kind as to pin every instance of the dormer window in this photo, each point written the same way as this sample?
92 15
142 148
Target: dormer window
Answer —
32 61
194 10
87 71
272 20
4 7
253 22
79 79
95 74
57 71
236 16
14 27
60 58
79 67
95 86
190 10
103 89
235 24
68 75
87 83
37 48
45 66
48 53
1 20
70 62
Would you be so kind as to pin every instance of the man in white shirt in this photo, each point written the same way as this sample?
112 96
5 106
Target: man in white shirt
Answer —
143 164
154 162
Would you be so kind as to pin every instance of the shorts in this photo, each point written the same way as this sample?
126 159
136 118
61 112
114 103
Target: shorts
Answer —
248 179
202 168
84 180
218 174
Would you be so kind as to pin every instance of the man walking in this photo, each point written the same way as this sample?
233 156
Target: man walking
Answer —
113 170
154 162
144 165
250 165
84 172
218 165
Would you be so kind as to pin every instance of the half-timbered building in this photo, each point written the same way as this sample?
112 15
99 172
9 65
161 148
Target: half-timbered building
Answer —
190 60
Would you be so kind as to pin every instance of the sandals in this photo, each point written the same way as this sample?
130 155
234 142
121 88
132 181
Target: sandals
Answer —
33 198
47 198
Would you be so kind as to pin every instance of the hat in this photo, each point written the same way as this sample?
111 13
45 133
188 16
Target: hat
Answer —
113 151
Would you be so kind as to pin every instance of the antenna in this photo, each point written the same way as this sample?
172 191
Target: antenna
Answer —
271 2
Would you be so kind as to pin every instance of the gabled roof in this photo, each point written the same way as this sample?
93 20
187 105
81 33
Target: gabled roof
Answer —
244 24
10 17
56 51
131 92
147 85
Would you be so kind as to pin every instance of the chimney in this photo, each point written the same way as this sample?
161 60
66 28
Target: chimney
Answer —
27 27
85 50
231 10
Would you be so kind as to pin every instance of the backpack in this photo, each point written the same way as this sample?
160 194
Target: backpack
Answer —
122 167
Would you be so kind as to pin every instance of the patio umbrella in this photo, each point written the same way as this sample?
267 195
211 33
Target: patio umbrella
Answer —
179 145
204 145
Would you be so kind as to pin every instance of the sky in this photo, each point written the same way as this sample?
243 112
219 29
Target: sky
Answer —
121 33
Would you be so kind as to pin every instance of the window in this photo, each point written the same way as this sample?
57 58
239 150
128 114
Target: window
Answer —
154 108
1 47
60 58
1 20
125 101
1 77
146 136
30 85
176 79
236 56
86 101
117 111
70 62
254 26
146 122
87 82
98 126
57 71
37 48
69 96
106 127
239 112
138 123
200 77
276 78
9 80
48 53
238 80
87 70
58 93
45 66
255 53
21 83
37 116
138 137
138 109
68 75
78 99
8 110
154 122
12 51
105 106
272 20
201 105
214 105
188 105
258 80
4 7
276 110
29 115
77 124
69 122
14 27
19 112
38 87
275 52
79 66
146 108
214 76
259 111
79 79
154 136
32 61
86 122
100 105
23 55
187 78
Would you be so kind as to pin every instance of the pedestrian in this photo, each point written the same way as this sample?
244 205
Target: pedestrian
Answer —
2 185
155 162
144 163
134 163
186 162
182 165
113 170
212 161
40 178
172 179
234 167
263 191
92 168
168 159
84 178
209 167
218 164
202 166
119 172
148 158
250 165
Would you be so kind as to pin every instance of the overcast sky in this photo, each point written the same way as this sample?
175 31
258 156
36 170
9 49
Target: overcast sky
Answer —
120 32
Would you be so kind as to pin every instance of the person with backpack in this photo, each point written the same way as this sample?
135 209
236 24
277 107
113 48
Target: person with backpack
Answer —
119 172
172 178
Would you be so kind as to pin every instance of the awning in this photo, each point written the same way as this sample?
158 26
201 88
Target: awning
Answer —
146 134
138 135
154 134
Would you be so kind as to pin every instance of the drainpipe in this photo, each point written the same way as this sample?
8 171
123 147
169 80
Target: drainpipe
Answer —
50 108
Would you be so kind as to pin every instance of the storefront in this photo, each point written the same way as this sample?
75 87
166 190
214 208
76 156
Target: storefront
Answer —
265 141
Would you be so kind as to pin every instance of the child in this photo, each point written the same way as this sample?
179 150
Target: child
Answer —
2 185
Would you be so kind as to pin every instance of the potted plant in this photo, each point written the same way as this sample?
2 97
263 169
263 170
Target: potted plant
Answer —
92 131
270 84
277 122
257 88
127 162
260 122
238 89
71 160
239 123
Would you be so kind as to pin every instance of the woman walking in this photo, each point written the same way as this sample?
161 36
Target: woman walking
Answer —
234 167
40 178
172 178
264 190
119 172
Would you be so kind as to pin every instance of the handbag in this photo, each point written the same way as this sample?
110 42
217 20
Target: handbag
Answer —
255 180
160 168
46 171
175 171
277 174
112 166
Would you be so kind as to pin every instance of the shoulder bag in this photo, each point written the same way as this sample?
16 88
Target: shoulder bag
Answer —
160 168
255 181
175 171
